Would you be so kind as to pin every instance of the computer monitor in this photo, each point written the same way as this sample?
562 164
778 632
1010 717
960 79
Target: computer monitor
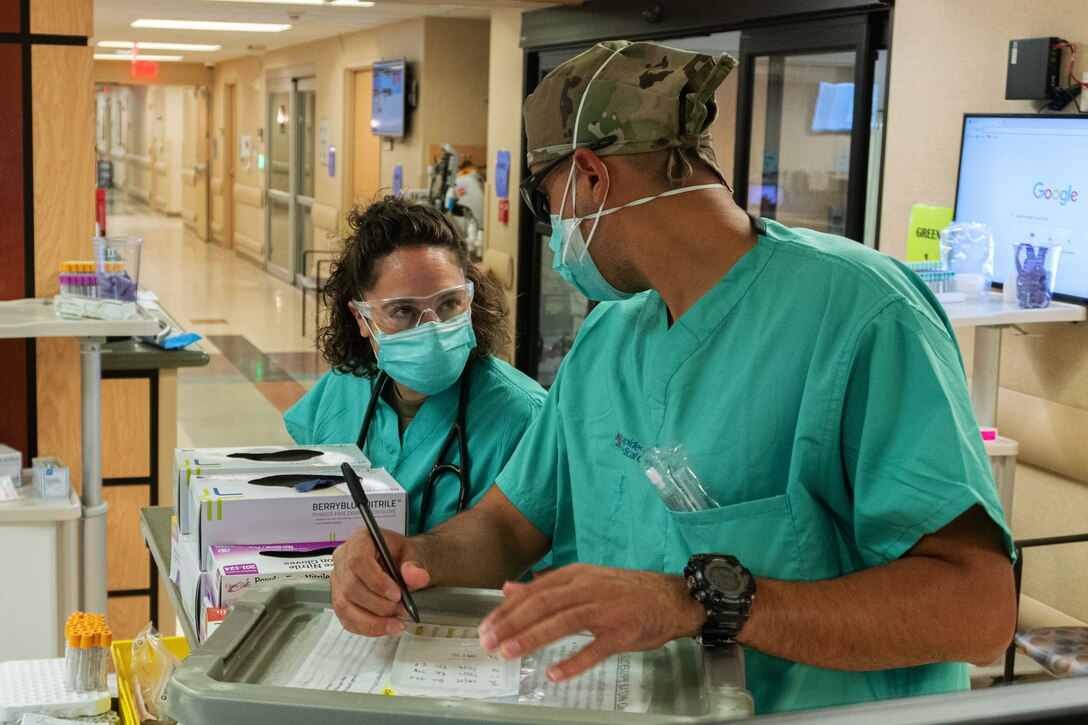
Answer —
389 104
1024 175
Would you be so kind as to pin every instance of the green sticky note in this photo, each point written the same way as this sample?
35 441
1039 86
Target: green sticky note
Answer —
924 238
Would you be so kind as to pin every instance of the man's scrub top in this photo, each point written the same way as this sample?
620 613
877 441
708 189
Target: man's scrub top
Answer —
821 398
502 403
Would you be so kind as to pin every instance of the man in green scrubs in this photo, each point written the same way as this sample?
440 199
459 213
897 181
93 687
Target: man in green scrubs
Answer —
815 384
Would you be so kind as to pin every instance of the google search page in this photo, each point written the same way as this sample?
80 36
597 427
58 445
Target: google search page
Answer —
1027 180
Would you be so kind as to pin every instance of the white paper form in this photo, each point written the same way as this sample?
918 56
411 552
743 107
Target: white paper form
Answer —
615 684
445 667
345 662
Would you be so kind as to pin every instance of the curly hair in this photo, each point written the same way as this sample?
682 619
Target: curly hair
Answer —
376 231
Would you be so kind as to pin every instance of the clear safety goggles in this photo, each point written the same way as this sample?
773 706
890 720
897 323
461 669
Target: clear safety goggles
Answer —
396 314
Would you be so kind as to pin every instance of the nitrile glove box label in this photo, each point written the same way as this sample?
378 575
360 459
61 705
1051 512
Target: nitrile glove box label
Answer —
234 569
189 462
240 509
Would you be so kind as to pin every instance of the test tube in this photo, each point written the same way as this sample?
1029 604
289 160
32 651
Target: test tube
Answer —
87 639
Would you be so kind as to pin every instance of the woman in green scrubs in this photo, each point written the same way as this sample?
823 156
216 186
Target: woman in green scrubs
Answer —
412 333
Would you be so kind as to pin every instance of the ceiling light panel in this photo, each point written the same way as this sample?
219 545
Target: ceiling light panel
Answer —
210 25
164 58
128 44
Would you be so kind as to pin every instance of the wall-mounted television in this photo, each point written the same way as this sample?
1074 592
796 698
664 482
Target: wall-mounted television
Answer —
1026 177
389 103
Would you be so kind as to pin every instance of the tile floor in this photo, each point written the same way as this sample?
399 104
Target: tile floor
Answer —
260 362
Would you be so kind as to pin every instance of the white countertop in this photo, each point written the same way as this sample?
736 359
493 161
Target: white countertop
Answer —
994 311
34 317
31 510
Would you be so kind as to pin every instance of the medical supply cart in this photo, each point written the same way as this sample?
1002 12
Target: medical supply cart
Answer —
33 318
989 317
227 679
234 677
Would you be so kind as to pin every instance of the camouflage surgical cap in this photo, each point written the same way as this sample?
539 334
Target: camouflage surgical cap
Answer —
651 97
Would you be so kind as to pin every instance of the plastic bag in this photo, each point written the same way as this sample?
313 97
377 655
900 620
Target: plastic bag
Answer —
677 485
967 249
152 666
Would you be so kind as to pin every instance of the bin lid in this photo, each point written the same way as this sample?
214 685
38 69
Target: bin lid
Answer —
238 674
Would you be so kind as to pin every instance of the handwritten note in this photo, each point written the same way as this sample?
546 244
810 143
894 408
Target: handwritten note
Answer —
437 666
442 660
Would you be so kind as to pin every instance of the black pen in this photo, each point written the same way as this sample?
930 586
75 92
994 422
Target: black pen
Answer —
363 504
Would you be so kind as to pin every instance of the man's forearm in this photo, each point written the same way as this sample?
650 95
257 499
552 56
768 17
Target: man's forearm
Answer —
483 547
912 611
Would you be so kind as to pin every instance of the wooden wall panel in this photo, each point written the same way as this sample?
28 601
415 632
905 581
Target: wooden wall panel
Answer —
127 564
64 117
11 171
126 428
126 616
13 369
63 125
59 424
9 16
62 17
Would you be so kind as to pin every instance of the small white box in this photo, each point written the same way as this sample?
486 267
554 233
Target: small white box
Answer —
231 509
11 463
234 569
50 478
186 574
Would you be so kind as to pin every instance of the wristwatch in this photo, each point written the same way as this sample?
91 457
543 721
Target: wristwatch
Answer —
725 589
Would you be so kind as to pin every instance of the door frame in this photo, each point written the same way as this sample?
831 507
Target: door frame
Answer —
299 200
294 87
352 148
856 33
229 163
281 85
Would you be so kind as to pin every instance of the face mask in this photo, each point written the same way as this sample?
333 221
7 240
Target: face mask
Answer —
571 251
428 358
571 258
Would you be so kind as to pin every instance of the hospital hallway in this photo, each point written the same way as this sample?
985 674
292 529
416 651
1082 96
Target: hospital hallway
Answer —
251 324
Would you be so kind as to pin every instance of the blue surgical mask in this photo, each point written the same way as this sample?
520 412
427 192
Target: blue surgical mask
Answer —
572 259
428 358
578 268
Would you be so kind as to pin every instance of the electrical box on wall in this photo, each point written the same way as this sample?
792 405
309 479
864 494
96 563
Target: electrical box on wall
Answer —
1033 69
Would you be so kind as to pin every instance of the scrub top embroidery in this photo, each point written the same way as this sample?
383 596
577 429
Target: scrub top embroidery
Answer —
502 403
821 397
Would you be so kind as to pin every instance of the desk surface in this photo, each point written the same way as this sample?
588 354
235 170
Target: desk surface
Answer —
994 311
35 317
133 353
32 510
155 528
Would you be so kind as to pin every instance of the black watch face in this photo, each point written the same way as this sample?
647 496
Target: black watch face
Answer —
725 578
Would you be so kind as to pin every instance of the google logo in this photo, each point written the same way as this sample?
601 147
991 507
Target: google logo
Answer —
1062 196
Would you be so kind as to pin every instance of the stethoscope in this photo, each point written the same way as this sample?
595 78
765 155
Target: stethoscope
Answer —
458 431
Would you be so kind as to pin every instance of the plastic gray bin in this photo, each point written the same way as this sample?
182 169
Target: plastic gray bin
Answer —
221 681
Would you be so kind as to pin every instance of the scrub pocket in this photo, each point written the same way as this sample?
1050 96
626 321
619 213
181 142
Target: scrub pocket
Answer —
760 533
622 523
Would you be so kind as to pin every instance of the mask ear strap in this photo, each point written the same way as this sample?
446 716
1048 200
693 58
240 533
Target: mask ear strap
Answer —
598 215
